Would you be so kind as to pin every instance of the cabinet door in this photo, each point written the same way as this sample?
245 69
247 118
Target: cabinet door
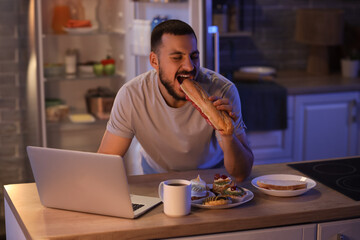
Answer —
277 145
272 146
300 232
347 230
325 125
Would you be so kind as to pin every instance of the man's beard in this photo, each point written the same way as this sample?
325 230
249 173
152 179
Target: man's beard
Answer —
170 87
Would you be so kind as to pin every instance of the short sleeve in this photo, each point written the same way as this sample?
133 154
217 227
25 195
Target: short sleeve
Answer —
233 95
120 122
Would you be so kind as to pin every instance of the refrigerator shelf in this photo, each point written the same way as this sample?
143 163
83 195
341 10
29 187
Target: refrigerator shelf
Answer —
67 125
80 77
235 34
119 32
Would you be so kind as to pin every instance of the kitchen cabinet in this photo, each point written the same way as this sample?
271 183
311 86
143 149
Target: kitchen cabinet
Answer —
233 19
274 146
13 229
300 232
325 125
339 230
336 230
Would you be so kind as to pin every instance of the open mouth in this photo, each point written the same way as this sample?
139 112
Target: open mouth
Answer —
182 77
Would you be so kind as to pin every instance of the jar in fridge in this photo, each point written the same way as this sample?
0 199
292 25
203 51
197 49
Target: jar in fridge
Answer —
70 61
61 14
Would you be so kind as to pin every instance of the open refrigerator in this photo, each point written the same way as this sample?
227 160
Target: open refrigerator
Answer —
114 32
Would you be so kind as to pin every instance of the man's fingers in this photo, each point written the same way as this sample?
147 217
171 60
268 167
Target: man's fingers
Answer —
223 104
227 108
213 98
234 116
221 101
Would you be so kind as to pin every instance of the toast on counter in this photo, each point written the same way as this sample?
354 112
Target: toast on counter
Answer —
282 184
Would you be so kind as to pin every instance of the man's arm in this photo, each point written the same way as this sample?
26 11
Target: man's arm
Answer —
238 157
112 144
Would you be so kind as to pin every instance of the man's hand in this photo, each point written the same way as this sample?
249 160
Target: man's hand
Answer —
223 104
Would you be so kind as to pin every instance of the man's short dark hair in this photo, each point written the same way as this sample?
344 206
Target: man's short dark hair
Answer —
173 26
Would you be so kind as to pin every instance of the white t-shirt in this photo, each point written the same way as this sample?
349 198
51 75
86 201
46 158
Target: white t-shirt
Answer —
172 139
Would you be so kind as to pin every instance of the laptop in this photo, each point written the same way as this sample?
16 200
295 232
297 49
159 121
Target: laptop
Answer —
85 182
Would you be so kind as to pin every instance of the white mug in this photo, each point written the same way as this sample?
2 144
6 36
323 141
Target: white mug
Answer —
176 197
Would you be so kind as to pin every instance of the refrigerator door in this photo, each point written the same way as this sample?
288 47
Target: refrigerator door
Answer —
191 12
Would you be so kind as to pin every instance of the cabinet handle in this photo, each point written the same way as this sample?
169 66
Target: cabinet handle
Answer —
353 108
340 237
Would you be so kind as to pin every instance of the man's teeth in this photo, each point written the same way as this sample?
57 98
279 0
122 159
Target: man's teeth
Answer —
182 77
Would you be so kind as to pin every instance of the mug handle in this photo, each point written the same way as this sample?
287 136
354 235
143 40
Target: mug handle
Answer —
161 190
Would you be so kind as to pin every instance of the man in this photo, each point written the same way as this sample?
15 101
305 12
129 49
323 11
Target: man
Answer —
172 133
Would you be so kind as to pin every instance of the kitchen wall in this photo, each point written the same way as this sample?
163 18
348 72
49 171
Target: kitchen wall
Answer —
13 60
272 43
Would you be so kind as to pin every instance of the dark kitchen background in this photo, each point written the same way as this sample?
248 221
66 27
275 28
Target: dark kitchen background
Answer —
272 23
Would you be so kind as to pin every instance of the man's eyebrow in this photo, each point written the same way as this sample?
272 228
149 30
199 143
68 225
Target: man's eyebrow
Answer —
181 53
177 53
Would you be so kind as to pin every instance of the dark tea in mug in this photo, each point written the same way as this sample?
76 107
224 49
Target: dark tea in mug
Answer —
176 184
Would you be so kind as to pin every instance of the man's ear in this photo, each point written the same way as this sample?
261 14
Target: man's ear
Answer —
154 61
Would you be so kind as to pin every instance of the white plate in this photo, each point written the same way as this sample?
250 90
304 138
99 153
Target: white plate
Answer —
284 193
259 70
249 195
211 194
81 30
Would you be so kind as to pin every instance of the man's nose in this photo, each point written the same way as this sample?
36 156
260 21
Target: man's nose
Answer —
188 64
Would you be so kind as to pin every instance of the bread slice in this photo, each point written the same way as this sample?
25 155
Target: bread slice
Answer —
219 120
282 184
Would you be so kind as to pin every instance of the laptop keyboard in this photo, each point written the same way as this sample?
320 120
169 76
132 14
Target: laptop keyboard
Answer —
137 206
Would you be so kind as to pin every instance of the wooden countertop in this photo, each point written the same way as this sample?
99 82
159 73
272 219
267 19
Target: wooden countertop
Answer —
300 82
317 205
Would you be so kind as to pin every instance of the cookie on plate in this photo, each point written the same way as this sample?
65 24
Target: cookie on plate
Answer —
216 201
234 192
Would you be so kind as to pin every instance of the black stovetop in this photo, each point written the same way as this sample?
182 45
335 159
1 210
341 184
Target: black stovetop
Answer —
342 175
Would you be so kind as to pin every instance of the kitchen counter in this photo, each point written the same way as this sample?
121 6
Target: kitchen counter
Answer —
299 82
318 205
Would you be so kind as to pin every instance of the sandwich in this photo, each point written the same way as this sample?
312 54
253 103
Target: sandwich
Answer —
282 184
219 120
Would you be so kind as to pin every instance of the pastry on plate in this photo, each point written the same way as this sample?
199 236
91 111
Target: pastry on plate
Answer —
234 192
217 200
221 183
198 189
